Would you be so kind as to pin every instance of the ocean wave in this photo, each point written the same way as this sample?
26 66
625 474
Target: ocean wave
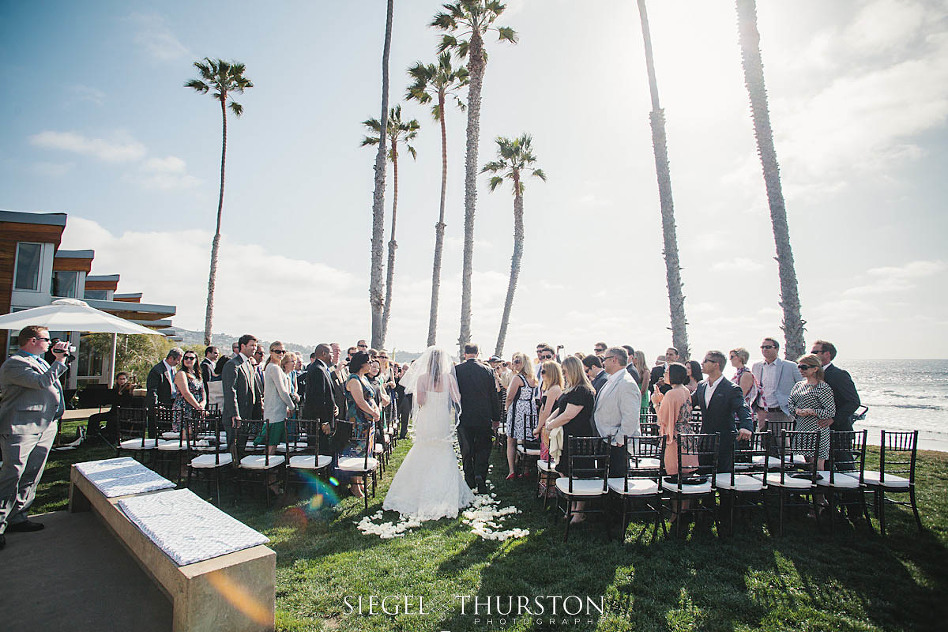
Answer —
907 406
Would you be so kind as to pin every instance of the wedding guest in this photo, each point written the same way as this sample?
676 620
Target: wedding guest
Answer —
361 411
694 375
278 399
671 355
599 349
551 387
160 382
642 367
521 413
674 416
121 396
189 396
776 377
215 388
723 410
811 404
630 353
573 414
211 354
243 395
745 379
617 407
593 369
845 395
235 348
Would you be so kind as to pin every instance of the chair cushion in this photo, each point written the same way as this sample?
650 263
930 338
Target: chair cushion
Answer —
528 451
789 482
207 461
742 482
311 462
172 446
773 462
891 480
170 435
841 480
703 488
379 449
637 486
546 466
581 486
357 464
136 444
648 464
259 461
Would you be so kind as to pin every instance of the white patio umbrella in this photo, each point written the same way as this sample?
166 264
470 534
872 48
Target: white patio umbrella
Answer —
69 314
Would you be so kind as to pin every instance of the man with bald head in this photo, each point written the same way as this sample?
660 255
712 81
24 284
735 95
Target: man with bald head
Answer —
319 403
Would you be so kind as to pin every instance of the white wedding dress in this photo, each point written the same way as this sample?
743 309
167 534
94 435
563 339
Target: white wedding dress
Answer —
429 485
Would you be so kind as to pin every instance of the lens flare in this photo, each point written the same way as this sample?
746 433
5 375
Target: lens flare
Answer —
323 494
241 598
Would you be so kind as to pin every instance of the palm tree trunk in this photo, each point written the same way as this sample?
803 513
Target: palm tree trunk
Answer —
392 245
439 232
216 243
378 198
793 323
676 298
475 67
514 265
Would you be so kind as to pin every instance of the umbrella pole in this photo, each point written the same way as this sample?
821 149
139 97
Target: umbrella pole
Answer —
112 361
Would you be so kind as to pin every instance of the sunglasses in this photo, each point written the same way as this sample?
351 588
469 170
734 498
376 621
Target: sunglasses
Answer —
546 357
804 367
542 372
278 351
43 339
383 357
600 350
767 347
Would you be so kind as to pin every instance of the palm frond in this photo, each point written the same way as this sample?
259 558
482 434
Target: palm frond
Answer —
507 34
236 108
495 182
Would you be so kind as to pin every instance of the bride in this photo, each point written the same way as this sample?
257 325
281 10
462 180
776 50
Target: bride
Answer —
429 484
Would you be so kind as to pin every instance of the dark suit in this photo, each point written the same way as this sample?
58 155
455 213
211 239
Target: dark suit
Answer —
599 380
159 387
242 393
633 372
844 395
319 402
656 375
727 404
480 406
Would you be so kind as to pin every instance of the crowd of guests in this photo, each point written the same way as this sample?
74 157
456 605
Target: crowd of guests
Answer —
608 392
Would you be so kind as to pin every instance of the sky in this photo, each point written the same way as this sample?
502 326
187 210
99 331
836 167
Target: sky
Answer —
95 122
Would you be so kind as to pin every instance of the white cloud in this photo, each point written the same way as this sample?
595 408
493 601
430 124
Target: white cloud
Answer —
897 279
121 148
165 173
154 36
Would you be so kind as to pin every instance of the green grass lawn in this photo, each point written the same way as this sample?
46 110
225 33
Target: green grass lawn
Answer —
806 580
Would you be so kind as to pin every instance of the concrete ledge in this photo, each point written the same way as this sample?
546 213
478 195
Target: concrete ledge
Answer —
234 592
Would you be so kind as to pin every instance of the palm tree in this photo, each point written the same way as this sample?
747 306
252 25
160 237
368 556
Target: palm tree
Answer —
223 78
466 22
378 197
436 82
515 158
397 132
676 298
754 80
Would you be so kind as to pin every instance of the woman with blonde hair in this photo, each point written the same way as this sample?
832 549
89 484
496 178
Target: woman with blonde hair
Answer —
811 404
551 387
278 401
638 361
745 378
521 408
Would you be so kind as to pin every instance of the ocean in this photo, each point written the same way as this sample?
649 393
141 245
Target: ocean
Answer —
903 395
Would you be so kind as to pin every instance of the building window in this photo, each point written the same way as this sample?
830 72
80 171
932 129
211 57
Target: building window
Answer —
28 259
65 283
97 295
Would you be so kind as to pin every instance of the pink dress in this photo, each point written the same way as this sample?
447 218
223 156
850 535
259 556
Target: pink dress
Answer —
674 415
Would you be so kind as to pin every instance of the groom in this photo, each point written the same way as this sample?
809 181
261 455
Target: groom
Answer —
480 407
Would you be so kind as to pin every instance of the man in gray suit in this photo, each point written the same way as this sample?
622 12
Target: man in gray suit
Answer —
242 394
776 377
32 403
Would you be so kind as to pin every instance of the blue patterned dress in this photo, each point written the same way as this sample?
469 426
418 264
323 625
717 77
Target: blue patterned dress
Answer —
362 425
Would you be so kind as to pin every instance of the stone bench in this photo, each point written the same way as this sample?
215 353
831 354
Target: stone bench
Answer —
217 572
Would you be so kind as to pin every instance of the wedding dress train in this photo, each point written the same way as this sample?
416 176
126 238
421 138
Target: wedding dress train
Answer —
429 485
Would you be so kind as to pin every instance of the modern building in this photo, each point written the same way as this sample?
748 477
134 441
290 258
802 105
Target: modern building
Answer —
34 272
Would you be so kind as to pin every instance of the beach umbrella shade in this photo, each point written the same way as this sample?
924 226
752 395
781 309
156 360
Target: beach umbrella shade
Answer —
68 314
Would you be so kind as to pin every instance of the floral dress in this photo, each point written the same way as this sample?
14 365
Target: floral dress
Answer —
819 397
522 414
361 424
751 396
184 410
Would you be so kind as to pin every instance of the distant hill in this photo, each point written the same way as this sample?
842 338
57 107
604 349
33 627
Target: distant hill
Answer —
224 341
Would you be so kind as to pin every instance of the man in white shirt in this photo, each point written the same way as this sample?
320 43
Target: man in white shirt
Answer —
776 377
618 404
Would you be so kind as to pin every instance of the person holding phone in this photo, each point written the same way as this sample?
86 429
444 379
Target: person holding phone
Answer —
33 402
